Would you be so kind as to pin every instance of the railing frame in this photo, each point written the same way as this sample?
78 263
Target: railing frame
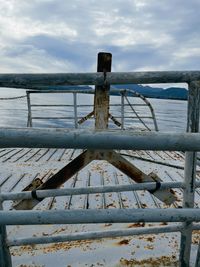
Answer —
36 81
124 95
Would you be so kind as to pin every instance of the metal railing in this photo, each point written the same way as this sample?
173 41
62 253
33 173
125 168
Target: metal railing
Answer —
188 142
76 115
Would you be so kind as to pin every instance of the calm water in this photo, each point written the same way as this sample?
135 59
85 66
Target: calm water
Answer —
170 114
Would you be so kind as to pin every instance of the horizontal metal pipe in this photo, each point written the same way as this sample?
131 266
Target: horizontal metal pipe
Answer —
134 117
59 89
98 216
46 118
82 105
116 117
62 138
51 105
42 81
96 235
152 77
93 235
35 81
90 190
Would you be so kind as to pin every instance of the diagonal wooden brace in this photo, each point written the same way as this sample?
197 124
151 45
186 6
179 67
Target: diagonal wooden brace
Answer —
167 196
58 179
114 158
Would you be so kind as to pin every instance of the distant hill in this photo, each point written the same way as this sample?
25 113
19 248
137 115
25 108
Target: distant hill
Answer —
154 92
147 91
175 93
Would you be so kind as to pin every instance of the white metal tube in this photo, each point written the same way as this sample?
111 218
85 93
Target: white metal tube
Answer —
112 139
90 190
97 235
5 257
29 121
98 216
190 171
75 111
122 110
94 235
197 263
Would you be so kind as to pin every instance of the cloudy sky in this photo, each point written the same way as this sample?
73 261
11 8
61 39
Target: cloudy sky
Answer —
65 36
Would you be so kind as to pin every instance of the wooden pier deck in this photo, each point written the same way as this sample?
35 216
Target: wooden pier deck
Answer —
22 166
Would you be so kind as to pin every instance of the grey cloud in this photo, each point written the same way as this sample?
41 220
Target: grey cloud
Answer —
84 55
178 18
140 33
63 49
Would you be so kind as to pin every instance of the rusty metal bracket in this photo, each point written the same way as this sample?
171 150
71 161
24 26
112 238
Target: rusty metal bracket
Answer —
85 118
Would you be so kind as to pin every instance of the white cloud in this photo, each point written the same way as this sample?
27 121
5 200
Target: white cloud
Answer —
57 35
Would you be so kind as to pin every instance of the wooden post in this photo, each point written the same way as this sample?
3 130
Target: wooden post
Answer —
101 99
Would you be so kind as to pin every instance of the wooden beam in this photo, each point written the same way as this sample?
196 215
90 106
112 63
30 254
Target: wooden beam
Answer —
101 98
58 179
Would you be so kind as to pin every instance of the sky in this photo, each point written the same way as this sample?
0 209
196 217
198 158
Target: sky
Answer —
40 36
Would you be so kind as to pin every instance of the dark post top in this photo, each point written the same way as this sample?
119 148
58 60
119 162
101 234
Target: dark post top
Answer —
104 62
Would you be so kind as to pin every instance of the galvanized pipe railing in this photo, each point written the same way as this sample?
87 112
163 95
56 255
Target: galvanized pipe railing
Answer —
95 235
81 139
190 171
5 257
39 81
187 142
36 217
29 121
92 190
75 117
134 93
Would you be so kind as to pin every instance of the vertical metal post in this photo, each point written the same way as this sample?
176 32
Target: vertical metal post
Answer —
29 122
5 257
75 111
154 118
197 264
190 171
122 110
101 98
